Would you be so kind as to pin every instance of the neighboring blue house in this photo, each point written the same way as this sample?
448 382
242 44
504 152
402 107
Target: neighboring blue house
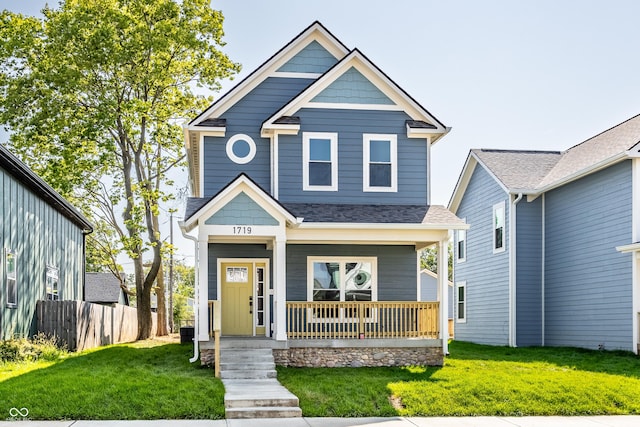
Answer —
429 292
42 238
550 258
312 185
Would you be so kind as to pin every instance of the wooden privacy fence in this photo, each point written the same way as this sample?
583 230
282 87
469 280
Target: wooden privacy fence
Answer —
352 320
81 325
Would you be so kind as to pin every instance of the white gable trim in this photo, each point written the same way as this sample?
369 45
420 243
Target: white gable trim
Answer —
362 64
292 75
463 182
315 32
241 184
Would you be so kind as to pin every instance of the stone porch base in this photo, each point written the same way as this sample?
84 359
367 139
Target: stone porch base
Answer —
347 353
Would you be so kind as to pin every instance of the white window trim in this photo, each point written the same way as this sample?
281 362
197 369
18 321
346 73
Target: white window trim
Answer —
252 149
343 259
8 251
460 259
53 272
462 285
366 146
493 227
306 137
342 317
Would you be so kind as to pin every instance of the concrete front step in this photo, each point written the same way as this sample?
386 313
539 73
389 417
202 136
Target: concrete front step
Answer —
263 412
248 374
249 366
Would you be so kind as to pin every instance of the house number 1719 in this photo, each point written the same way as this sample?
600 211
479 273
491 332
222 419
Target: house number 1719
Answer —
241 230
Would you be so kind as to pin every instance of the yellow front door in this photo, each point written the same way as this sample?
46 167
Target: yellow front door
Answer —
237 298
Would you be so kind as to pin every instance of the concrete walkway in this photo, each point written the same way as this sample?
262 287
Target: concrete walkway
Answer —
595 421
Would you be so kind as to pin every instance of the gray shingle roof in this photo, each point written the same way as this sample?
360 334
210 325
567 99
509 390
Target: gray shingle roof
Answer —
518 169
101 287
535 170
370 214
599 148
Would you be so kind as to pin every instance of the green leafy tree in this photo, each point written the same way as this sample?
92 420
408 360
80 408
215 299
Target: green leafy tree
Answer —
429 260
92 94
184 280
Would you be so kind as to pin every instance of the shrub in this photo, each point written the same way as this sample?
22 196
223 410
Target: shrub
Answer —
40 347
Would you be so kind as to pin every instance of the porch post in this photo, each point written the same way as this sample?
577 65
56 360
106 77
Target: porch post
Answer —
443 282
279 276
203 278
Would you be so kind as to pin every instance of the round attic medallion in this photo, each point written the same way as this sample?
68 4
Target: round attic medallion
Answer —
241 149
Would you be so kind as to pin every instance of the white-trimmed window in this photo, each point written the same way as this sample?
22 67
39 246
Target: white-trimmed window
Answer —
498 227
52 291
380 162
11 277
461 245
461 302
342 279
320 161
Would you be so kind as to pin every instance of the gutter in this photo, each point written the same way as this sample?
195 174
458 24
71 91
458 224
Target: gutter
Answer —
512 270
196 304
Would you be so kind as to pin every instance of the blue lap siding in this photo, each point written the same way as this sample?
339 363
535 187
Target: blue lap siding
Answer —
350 126
486 274
588 299
529 272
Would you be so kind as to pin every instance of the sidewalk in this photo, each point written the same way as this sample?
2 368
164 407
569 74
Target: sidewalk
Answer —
591 421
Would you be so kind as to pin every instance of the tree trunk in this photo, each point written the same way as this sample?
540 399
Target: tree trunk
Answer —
162 306
143 301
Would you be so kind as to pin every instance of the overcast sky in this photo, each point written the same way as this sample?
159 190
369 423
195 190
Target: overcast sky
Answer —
539 74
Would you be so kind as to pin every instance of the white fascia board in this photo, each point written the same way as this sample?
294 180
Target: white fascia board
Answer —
463 182
423 132
633 247
315 32
388 236
381 226
268 131
209 130
584 172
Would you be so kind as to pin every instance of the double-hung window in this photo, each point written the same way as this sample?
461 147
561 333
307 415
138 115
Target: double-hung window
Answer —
498 227
461 245
380 162
52 283
461 302
320 161
10 268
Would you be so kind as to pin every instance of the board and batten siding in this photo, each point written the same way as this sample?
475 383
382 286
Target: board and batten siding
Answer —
588 284
486 274
40 236
529 273
351 125
397 274
246 117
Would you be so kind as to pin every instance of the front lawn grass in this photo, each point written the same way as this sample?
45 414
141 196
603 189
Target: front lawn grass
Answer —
143 380
477 380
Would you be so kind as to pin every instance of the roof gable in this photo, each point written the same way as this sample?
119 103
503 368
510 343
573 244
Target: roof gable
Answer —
313 58
400 100
352 88
227 197
315 34
242 210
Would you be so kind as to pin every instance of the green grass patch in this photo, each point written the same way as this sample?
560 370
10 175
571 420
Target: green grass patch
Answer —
143 380
477 380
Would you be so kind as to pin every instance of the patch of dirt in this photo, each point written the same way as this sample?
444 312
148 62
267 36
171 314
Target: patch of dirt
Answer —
396 402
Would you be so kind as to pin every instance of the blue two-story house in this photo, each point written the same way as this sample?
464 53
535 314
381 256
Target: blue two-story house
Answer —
311 204
551 255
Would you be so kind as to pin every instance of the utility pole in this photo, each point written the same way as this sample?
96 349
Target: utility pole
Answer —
171 325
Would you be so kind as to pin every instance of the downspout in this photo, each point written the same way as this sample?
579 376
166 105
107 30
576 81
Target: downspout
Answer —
196 303
512 271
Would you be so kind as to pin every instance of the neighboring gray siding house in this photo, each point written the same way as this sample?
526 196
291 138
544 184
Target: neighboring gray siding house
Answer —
311 188
104 288
42 238
550 255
